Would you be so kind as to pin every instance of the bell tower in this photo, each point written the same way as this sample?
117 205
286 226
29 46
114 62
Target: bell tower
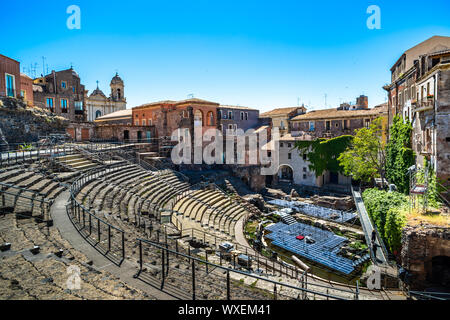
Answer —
117 88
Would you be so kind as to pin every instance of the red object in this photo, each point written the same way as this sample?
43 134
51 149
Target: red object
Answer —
300 237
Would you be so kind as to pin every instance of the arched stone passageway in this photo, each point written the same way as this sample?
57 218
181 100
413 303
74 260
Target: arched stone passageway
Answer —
285 172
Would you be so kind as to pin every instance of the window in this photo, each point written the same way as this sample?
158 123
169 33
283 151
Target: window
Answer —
23 94
246 116
311 126
63 84
304 169
73 89
269 154
210 118
143 122
282 124
281 144
78 105
230 114
367 123
98 113
49 103
289 156
336 124
304 156
136 123
10 85
327 125
242 115
149 122
220 114
64 105
304 176
346 124
289 145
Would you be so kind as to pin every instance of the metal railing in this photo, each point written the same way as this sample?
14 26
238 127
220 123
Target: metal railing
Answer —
103 236
25 202
204 271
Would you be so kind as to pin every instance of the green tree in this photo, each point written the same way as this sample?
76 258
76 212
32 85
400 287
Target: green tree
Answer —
399 154
365 158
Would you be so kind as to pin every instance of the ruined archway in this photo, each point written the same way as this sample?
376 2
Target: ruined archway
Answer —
438 273
286 173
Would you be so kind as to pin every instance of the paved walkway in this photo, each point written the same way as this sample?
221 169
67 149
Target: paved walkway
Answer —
378 256
125 272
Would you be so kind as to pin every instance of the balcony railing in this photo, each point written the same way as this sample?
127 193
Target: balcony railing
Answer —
423 105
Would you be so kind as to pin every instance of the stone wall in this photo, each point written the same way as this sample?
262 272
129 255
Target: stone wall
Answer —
20 123
443 128
425 253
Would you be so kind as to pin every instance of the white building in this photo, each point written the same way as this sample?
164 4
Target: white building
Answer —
98 104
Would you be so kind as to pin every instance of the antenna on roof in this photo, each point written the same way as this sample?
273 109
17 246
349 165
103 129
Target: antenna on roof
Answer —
97 84
71 65
43 64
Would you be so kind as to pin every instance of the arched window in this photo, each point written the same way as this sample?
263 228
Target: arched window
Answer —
210 119
98 113
118 93
198 118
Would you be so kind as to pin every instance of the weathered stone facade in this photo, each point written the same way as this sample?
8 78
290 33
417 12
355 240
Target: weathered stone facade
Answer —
124 132
20 123
330 123
426 256
61 93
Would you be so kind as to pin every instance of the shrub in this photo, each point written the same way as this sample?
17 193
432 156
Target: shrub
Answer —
383 208
395 221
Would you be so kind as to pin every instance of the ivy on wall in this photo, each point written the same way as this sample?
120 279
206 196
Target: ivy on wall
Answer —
399 154
323 153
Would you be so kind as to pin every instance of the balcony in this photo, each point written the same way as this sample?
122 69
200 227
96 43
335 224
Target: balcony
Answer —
423 105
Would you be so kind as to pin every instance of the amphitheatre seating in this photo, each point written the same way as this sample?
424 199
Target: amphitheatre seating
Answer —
30 274
77 162
44 275
212 210
24 189
127 191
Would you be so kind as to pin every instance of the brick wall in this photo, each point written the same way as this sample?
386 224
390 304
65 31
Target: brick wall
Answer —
10 66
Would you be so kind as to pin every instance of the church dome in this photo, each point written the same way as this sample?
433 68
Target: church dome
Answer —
97 92
116 79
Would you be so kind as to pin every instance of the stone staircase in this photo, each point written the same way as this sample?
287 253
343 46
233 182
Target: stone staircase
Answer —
77 162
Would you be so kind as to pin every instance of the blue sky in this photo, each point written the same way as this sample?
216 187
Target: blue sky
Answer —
262 54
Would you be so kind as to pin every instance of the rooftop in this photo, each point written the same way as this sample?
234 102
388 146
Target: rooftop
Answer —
237 107
334 113
118 115
172 102
280 111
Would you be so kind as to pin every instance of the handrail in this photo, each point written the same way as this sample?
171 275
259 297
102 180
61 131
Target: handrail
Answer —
164 248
